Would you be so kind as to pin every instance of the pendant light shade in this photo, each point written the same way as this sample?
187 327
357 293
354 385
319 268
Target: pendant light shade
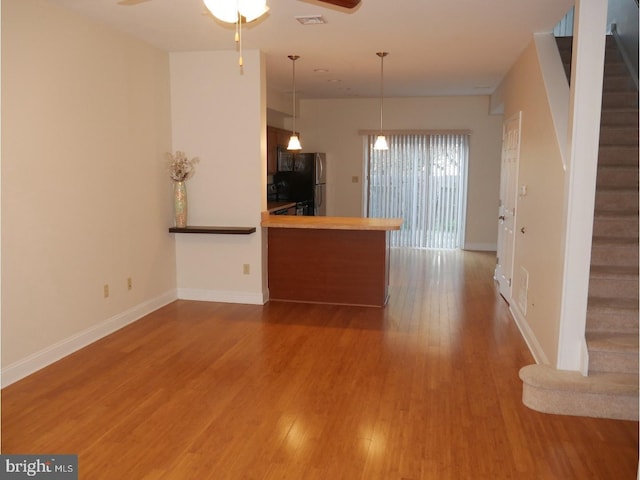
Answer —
294 141
381 141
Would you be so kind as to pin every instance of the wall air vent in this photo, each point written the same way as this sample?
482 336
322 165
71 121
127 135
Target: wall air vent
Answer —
311 20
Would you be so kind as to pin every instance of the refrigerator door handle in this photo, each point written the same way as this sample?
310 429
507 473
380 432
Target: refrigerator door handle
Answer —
319 169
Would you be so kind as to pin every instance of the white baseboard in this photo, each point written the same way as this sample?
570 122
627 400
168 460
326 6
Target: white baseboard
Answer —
222 296
34 362
529 337
481 247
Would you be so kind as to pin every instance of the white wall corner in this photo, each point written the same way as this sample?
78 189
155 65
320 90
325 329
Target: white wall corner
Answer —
224 296
496 100
22 368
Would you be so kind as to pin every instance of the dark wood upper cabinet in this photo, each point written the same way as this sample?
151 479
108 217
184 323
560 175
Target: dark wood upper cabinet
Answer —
276 137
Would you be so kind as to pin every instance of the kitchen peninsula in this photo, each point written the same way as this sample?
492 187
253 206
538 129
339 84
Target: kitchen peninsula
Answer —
339 260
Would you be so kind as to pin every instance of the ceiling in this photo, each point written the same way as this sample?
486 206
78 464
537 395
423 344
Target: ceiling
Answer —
436 47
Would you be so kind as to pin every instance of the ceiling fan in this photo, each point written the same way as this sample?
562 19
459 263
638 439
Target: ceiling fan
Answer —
339 3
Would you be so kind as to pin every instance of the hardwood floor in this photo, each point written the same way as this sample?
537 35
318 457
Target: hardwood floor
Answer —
426 388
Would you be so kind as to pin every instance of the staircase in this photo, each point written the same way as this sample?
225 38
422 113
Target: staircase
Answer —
611 388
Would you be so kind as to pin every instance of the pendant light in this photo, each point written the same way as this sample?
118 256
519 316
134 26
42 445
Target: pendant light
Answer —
381 141
294 141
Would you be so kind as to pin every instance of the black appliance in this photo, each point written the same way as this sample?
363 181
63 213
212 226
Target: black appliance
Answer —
301 178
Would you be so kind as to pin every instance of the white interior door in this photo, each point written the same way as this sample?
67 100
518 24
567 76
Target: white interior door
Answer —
507 207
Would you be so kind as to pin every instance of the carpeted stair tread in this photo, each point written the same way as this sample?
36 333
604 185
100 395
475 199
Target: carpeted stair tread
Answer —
621 241
613 315
619 189
544 376
561 392
612 271
612 342
616 284
616 175
615 213
618 155
612 305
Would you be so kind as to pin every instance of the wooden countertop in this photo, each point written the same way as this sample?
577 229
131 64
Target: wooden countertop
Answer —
329 223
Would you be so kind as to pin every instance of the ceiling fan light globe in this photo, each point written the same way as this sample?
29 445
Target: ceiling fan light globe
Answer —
224 10
252 9
381 143
294 143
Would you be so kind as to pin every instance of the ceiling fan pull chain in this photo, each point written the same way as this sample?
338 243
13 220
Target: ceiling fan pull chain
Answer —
239 39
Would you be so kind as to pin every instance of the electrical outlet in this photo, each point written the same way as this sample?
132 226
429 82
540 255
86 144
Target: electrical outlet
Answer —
246 269
105 290
129 283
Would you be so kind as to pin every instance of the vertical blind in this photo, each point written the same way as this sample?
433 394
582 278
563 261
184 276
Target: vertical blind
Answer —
421 178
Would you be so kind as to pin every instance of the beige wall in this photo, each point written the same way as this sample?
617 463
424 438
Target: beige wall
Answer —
85 194
539 250
219 115
332 126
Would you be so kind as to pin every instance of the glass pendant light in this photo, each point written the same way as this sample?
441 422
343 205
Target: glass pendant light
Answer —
294 141
381 141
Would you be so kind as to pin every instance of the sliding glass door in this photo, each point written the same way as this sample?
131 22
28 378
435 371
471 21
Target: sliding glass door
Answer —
422 178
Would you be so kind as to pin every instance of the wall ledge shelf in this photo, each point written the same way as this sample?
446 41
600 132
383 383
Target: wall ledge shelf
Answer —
214 230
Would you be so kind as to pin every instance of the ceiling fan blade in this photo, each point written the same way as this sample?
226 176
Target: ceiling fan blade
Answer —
129 3
342 3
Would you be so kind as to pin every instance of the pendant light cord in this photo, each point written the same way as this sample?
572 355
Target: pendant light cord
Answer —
293 59
381 55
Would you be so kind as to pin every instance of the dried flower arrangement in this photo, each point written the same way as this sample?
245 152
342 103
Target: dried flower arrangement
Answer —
180 167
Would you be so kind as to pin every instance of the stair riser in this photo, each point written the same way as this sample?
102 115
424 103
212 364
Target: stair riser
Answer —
625 227
608 287
618 155
620 322
615 83
615 68
617 177
618 135
619 117
615 201
614 255
612 362
619 100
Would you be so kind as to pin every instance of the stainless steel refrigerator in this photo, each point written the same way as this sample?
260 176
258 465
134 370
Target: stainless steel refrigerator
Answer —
301 178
